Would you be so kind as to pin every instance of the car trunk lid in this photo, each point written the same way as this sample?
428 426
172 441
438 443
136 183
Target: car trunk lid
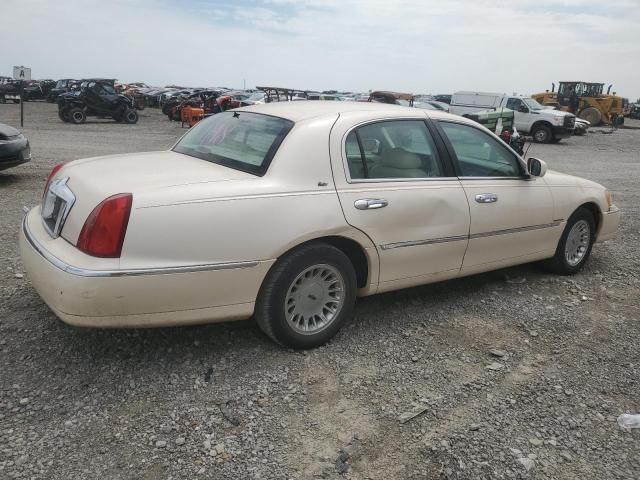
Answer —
93 180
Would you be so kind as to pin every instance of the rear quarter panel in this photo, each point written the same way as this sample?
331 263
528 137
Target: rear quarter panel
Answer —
244 220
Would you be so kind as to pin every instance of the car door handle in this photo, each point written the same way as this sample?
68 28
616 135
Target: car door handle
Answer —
487 198
370 203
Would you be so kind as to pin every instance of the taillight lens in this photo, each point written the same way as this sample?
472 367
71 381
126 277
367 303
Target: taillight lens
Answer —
103 232
52 174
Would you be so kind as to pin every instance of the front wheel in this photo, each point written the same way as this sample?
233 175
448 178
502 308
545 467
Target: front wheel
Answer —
130 116
307 296
77 115
575 244
542 134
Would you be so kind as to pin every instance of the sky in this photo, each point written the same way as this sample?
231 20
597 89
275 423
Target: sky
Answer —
417 46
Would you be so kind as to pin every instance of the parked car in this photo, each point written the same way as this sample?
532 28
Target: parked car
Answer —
289 211
10 90
544 125
442 98
394 98
14 147
38 90
634 111
582 126
96 98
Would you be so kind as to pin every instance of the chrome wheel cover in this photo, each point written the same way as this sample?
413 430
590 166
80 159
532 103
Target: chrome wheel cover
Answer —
314 299
541 135
577 242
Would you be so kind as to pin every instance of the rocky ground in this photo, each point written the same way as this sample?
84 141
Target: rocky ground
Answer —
515 374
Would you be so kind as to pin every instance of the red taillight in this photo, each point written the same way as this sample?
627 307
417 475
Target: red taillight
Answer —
103 233
53 174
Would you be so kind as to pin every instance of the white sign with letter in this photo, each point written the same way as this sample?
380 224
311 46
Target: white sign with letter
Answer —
21 73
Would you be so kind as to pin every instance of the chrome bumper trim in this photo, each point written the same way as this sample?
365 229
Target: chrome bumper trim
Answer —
83 272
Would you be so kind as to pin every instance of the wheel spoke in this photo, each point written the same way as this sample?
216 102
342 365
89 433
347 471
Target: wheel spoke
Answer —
314 299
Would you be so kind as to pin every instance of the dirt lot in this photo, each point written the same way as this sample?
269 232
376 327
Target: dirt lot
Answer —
223 402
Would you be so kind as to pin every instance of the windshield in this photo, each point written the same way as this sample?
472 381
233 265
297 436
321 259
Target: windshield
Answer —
108 89
241 140
532 104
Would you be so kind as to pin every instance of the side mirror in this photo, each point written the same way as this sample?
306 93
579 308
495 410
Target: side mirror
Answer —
536 167
523 109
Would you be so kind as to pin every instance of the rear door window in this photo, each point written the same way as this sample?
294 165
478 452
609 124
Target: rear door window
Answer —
392 149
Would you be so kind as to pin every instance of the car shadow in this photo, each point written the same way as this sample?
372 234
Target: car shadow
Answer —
7 179
209 341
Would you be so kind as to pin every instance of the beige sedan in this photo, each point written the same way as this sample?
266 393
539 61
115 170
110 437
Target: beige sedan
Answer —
287 212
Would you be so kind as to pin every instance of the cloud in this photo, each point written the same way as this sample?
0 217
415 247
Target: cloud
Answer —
409 45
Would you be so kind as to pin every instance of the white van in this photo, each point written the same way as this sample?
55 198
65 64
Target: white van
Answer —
544 125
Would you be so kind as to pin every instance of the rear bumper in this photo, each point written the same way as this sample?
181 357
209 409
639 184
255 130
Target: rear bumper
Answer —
136 298
610 222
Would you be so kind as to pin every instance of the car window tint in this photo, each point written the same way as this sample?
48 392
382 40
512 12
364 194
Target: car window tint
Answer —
479 154
393 149
514 103
242 140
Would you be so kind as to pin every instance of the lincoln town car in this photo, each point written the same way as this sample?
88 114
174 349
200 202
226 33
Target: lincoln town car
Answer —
287 212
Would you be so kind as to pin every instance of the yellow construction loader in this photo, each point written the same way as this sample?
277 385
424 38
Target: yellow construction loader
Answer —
586 100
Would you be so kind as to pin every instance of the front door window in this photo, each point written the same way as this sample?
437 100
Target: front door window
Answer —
479 154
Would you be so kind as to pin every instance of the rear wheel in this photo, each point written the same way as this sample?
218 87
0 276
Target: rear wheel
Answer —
307 296
575 244
542 134
77 115
62 114
130 116
591 115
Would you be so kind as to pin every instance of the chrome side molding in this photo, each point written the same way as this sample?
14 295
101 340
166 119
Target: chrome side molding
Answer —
132 272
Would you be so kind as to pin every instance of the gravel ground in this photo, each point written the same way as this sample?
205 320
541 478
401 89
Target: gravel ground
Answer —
223 402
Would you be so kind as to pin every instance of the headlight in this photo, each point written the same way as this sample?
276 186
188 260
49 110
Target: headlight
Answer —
609 198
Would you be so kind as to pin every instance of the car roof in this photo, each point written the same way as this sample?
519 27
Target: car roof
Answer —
306 109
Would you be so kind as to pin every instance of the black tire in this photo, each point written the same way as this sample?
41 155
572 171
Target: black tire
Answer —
542 134
130 116
76 115
591 115
15 100
62 114
559 263
270 305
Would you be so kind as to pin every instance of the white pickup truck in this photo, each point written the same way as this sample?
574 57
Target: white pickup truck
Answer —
544 125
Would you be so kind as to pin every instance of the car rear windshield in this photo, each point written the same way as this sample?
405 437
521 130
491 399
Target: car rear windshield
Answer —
241 140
